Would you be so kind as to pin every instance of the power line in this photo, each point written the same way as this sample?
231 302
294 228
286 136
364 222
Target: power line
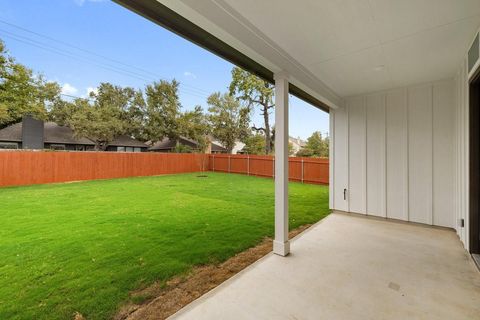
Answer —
91 52
64 53
76 97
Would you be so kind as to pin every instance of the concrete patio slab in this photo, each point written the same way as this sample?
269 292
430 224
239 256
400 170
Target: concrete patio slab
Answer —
353 267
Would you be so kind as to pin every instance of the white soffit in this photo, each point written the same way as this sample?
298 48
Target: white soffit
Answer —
350 46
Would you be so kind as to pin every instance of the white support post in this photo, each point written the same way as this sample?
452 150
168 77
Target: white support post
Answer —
281 245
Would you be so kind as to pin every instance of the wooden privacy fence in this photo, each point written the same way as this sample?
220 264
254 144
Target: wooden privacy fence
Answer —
32 167
307 170
37 167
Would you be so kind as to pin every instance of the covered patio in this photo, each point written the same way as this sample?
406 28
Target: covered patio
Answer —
352 267
401 82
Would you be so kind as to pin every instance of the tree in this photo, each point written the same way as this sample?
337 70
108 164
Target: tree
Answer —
62 111
257 93
254 144
22 92
109 112
291 150
125 103
162 111
98 122
195 126
228 118
316 146
181 148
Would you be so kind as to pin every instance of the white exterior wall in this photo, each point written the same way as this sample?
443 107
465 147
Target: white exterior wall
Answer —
394 152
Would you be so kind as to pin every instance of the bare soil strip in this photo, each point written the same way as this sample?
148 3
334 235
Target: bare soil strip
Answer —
163 301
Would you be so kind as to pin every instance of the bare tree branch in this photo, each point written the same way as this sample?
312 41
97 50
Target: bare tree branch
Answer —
258 129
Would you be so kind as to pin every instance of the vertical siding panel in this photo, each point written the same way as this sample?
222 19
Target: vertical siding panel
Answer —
466 159
443 152
397 154
420 154
331 154
357 155
341 159
376 195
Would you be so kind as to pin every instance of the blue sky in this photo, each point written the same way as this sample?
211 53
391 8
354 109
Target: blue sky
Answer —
93 41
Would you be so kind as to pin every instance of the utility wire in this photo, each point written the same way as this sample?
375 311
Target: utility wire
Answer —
64 53
93 53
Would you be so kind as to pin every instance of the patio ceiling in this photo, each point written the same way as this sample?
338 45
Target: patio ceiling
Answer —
333 49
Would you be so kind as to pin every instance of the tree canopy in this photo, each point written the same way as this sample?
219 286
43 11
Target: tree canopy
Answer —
256 93
316 146
22 92
228 118
162 110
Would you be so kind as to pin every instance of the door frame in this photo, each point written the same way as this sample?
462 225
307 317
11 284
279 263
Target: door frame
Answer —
474 162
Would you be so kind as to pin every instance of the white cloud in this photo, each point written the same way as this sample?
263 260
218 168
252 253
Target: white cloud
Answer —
93 90
189 74
82 2
68 89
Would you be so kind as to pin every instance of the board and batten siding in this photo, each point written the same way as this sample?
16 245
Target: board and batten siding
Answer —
394 152
461 155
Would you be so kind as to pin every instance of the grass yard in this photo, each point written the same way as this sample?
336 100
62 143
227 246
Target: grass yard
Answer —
82 247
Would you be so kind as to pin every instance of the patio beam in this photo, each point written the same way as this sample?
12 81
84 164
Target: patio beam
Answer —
281 245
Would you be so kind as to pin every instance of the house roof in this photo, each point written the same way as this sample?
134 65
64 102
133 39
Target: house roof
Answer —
218 148
12 133
297 141
168 144
53 133
126 141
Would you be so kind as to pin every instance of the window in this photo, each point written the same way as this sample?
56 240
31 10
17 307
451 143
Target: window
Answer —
137 150
79 148
8 145
120 149
59 147
129 149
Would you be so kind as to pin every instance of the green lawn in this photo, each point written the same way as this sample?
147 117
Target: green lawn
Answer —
84 246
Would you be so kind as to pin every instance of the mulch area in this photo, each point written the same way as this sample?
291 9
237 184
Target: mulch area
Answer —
165 300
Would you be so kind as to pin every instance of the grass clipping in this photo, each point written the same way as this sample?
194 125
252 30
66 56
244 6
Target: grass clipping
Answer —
160 302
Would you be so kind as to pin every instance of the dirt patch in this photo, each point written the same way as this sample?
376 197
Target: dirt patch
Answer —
160 302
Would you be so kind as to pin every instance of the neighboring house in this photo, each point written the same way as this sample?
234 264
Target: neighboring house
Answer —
38 135
237 149
35 134
215 148
169 145
297 144
125 143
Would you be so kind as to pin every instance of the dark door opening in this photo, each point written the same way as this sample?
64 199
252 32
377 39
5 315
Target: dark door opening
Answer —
474 163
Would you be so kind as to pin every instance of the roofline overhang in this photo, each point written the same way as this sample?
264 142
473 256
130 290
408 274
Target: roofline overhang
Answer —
174 22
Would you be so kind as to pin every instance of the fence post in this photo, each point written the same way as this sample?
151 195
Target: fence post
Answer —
302 169
248 165
213 156
273 167
229 160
